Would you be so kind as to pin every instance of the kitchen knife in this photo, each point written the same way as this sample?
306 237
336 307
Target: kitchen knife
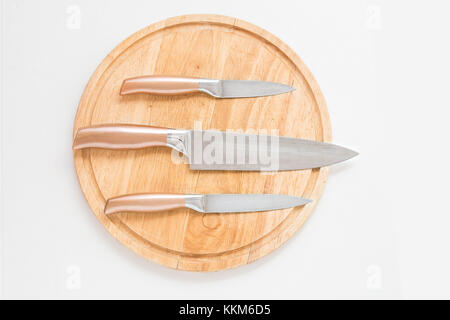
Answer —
216 150
162 85
206 203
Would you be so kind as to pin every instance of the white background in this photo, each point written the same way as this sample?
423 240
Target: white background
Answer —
382 227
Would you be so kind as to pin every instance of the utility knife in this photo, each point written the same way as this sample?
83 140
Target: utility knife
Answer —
163 85
205 203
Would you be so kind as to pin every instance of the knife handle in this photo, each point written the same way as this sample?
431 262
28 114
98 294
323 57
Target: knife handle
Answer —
160 85
153 202
120 136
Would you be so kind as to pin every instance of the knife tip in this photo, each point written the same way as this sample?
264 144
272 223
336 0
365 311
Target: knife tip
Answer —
345 154
352 153
299 201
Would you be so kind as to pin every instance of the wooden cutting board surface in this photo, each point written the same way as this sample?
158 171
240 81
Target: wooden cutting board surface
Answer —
206 46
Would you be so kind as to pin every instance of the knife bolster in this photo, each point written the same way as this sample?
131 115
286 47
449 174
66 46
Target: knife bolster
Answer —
209 86
195 202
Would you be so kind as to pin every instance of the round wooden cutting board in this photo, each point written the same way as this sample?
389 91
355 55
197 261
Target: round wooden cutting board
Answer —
205 46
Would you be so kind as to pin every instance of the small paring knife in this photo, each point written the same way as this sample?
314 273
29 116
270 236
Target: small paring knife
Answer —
167 86
205 203
289 153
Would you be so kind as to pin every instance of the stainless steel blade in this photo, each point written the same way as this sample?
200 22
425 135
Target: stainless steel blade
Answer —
243 88
216 203
215 150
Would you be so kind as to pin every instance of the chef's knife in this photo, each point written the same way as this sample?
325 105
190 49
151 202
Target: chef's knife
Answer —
273 153
163 85
207 203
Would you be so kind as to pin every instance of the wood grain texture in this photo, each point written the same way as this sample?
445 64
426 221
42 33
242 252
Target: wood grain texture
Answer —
206 46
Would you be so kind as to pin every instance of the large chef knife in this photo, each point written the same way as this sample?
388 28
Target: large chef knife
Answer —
207 203
163 85
217 150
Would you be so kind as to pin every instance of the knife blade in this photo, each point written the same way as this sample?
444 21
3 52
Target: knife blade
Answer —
163 85
205 203
217 150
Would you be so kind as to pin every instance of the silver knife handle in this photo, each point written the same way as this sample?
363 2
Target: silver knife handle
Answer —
121 136
147 202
